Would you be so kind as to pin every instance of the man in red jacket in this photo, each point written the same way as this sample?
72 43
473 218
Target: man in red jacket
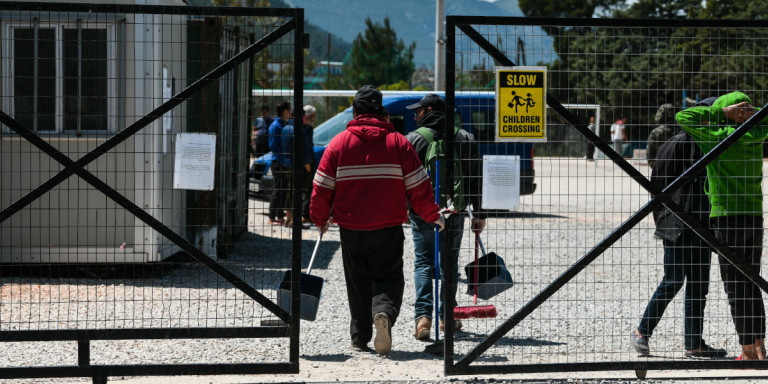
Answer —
369 174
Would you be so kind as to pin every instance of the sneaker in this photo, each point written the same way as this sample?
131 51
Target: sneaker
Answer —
706 351
383 341
423 328
456 325
640 343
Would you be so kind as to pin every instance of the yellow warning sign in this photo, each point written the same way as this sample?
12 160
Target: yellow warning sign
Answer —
521 103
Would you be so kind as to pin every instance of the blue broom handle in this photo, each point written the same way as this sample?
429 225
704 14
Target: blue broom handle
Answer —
437 254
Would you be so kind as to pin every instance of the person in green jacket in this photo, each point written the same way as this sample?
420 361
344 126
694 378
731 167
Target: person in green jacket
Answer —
735 194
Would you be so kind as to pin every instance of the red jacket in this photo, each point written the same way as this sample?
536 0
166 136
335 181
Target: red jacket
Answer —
368 174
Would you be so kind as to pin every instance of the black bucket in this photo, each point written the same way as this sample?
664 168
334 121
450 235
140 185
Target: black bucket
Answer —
493 277
311 287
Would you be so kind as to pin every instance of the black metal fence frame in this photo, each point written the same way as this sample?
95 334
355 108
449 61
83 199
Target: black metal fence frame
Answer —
659 197
99 373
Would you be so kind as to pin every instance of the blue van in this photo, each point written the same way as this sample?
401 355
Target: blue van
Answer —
475 111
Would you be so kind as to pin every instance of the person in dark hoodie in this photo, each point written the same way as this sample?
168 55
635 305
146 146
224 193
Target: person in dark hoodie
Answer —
667 128
430 113
366 179
687 258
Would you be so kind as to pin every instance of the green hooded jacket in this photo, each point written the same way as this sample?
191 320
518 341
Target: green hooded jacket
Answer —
734 178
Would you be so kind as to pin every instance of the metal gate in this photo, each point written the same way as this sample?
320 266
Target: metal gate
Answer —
102 256
581 249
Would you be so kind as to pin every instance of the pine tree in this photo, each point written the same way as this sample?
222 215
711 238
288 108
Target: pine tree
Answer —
378 58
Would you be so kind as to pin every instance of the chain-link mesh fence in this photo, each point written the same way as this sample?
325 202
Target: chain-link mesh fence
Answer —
584 262
155 237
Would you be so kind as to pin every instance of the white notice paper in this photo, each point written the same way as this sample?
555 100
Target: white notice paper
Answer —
501 182
194 163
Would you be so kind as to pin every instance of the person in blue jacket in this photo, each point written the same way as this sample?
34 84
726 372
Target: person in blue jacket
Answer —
280 164
308 154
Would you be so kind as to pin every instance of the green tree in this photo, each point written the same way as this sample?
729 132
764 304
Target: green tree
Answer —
242 3
669 9
566 8
378 57
631 71
637 69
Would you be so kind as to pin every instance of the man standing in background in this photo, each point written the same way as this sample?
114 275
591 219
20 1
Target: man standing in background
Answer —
310 114
736 196
667 128
617 135
260 134
590 145
280 168
430 118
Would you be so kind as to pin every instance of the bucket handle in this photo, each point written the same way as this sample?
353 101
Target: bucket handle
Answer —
314 253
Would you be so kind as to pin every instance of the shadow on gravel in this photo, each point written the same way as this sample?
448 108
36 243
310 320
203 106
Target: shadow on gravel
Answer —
337 357
410 355
492 359
521 215
271 250
258 260
526 342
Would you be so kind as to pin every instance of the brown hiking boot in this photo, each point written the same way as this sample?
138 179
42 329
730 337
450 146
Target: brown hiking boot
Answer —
456 325
383 341
423 328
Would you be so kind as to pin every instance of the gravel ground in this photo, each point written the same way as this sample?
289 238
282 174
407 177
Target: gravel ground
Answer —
576 205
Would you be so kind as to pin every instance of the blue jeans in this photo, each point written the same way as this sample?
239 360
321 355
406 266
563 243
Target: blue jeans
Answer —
689 263
424 261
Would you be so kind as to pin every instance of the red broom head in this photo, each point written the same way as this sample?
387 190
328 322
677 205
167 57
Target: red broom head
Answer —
475 312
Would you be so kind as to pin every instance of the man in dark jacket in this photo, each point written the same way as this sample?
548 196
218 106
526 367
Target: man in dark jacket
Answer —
686 257
430 113
260 135
310 114
667 128
367 177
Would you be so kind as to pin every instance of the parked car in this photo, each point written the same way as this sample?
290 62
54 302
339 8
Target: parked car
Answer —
475 112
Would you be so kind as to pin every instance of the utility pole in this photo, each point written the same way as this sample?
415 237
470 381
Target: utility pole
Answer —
328 78
440 46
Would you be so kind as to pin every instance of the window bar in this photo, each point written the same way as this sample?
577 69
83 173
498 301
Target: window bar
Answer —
79 76
120 95
36 23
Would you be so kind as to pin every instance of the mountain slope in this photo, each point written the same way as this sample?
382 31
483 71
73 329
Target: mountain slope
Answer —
318 36
413 20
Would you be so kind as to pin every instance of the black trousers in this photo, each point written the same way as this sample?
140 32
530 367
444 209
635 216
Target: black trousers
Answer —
373 269
308 178
590 150
280 181
744 235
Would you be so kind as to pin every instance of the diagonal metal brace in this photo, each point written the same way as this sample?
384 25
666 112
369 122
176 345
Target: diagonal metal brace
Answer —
660 197
132 129
72 167
142 215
